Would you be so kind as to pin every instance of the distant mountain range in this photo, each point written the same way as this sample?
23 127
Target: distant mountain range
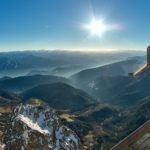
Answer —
120 68
22 63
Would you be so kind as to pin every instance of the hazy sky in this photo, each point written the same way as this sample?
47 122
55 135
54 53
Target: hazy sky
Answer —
58 24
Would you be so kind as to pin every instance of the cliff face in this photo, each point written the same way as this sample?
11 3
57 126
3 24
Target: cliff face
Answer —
39 127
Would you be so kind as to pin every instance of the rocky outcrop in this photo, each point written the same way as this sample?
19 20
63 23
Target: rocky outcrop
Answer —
39 128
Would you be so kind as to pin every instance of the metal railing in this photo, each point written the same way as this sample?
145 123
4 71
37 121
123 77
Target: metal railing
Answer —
130 141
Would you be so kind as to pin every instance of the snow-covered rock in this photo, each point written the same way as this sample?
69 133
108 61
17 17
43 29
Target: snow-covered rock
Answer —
39 128
2 146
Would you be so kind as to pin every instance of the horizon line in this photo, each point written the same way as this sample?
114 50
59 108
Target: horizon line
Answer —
72 50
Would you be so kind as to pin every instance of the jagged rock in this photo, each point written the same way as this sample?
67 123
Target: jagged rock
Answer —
8 102
39 128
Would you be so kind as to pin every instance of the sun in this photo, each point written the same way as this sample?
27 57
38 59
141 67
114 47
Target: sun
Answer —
96 27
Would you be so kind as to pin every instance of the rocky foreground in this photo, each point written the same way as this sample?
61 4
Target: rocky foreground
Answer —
37 127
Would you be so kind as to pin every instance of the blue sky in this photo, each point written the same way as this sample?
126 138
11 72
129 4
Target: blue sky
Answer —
57 24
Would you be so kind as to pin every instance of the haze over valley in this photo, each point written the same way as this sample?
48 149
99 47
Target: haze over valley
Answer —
96 98
60 63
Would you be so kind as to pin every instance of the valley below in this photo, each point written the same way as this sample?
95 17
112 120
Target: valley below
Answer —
94 101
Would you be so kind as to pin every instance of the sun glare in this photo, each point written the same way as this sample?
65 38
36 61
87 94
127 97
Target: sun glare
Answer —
96 27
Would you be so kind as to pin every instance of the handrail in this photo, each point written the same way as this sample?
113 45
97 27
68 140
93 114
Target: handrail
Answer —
127 142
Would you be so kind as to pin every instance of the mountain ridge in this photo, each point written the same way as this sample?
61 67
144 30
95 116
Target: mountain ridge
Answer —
60 96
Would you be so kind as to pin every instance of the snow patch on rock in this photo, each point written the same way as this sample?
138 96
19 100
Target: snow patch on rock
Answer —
39 127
